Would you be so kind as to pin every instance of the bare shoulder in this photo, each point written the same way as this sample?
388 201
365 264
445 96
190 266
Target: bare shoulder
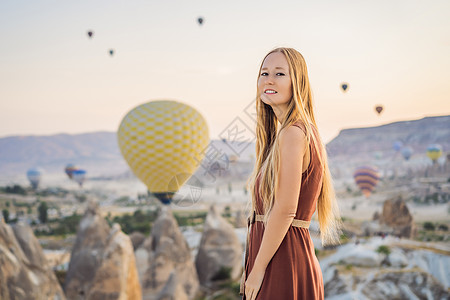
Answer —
293 140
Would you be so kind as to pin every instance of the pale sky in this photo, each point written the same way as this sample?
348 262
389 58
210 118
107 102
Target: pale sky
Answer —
54 79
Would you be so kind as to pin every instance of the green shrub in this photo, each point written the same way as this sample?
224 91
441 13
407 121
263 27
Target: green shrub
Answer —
428 226
443 227
383 249
15 189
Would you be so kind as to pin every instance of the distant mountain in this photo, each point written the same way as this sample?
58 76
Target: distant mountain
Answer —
98 152
417 134
54 152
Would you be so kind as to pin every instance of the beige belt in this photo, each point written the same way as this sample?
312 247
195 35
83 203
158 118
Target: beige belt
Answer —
295 222
252 219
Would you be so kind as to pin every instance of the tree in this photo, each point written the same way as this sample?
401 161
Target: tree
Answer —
428 226
5 213
42 209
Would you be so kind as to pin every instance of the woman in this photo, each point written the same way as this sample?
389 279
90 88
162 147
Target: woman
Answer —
291 177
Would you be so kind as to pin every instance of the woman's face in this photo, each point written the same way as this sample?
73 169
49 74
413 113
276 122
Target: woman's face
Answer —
274 83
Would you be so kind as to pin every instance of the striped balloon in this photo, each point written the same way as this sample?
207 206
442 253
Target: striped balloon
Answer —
366 178
70 168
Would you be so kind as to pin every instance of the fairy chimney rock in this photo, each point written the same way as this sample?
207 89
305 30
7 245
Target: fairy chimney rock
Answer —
220 252
163 253
24 271
397 216
102 265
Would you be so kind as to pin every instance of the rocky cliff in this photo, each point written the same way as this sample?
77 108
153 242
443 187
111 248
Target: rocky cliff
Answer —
102 264
220 252
24 272
166 269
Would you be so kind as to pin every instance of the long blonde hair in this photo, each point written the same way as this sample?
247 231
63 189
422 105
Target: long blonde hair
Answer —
300 107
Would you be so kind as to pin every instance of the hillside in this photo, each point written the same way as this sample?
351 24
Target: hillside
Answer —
417 134
98 152
54 152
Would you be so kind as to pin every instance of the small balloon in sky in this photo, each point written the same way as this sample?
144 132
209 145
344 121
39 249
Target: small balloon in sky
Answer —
200 20
397 145
69 169
434 151
407 152
344 86
379 109
90 33
34 175
79 176
111 52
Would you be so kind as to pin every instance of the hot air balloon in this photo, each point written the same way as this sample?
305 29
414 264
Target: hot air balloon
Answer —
397 145
163 143
200 20
34 175
90 33
79 176
407 152
344 86
366 178
379 109
434 151
69 170
111 52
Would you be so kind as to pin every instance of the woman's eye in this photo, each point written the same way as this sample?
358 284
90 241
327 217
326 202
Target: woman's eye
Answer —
280 74
264 74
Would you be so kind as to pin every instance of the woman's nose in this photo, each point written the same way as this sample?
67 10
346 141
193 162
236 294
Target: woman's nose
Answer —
268 80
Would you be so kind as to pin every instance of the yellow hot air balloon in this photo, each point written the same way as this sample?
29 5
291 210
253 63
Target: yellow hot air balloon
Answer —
434 151
162 142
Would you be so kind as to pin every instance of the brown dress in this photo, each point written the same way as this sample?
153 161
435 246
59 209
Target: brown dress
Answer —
294 272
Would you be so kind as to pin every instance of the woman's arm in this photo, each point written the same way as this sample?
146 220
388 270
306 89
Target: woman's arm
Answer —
292 149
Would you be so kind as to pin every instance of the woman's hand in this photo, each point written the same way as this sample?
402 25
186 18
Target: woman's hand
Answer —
253 283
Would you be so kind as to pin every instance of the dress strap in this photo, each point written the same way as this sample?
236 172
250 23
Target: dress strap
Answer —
301 126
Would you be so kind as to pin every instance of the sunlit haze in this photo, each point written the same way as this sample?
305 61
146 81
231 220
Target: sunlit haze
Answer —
54 79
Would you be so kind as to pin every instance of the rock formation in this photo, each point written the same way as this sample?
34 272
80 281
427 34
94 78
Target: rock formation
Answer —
397 258
379 285
241 219
220 252
24 271
163 253
362 256
404 285
102 264
397 216
117 276
405 273
376 216
137 239
334 284
172 290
